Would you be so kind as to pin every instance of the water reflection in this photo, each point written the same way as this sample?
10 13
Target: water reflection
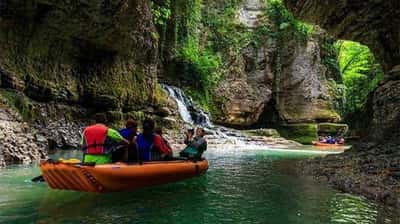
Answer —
346 208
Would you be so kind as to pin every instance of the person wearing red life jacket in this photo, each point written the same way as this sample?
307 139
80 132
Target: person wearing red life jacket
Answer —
97 140
159 131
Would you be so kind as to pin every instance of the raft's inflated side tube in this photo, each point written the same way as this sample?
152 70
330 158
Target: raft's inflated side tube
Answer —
118 177
320 144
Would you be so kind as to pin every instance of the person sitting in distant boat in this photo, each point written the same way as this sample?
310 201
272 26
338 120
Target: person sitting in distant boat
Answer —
329 140
150 145
341 141
322 139
98 141
195 146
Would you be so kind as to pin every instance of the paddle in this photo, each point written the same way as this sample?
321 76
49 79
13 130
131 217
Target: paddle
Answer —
38 179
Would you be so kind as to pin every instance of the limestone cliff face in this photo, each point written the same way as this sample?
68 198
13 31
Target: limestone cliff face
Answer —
288 75
246 87
303 94
62 61
91 53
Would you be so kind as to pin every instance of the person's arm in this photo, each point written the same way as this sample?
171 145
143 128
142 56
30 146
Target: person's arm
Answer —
116 136
82 139
188 138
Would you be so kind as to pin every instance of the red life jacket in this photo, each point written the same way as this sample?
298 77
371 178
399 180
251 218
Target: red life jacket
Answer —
95 137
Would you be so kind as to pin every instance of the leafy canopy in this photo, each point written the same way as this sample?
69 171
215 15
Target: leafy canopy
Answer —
360 71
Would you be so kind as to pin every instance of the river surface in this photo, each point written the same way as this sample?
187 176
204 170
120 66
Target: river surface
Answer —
241 186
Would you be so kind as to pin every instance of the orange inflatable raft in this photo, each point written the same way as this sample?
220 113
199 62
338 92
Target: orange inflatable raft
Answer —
120 176
320 144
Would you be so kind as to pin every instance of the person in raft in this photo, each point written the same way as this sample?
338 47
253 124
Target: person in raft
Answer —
97 141
129 154
159 131
195 146
150 145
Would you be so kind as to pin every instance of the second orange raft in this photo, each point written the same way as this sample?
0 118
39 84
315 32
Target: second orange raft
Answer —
118 177
321 144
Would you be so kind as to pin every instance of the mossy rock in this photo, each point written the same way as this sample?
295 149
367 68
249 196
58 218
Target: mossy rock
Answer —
100 102
264 132
327 115
40 90
167 123
136 115
19 102
332 128
114 116
303 133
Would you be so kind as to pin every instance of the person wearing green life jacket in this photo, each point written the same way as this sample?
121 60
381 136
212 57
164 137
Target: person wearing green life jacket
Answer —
98 141
195 145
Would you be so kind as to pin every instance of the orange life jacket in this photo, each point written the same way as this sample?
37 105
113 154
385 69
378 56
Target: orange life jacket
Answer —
95 137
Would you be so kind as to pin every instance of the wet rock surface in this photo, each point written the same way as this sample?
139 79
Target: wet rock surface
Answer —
369 169
18 142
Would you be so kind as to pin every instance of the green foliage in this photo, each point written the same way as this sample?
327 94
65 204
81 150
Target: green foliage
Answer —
361 73
224 32
287 25
19 102
201 62
161 11
206 63
302 133
329 56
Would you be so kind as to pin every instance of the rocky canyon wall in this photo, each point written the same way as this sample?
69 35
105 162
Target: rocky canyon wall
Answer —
62 61
275 71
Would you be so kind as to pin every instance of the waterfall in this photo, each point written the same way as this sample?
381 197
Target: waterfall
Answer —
178 95
188 111
193 115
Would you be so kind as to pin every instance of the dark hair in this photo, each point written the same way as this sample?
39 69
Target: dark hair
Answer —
201 129
158 130
100 118
148 125
191 131
130 123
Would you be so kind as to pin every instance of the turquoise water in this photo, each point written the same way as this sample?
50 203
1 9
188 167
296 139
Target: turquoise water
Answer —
241 186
